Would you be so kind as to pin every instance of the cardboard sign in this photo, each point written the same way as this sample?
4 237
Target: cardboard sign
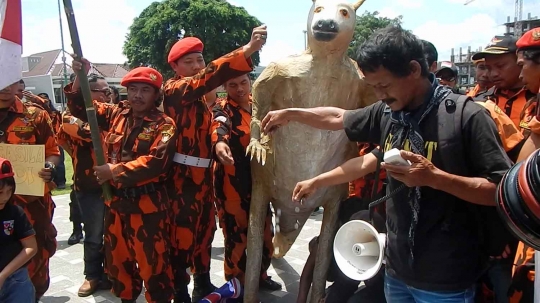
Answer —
27 161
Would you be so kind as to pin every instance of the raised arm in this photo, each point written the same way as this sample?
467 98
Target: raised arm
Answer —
178 92
75 127
148 167
75 104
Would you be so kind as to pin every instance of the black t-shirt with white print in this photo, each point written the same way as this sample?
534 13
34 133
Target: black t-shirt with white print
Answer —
15 227
446 251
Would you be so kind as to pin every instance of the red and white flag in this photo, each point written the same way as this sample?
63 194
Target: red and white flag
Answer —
10 42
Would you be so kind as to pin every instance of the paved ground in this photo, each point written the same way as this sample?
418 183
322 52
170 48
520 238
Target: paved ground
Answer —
67 264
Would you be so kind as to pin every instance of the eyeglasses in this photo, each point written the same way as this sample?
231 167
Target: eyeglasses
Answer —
105 91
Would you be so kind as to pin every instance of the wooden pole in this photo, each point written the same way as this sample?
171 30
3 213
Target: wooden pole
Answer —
85 89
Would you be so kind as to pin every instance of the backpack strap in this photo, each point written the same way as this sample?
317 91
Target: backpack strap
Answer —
386 124
450 146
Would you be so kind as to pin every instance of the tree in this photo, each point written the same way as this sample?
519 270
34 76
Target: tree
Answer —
366 25
221 26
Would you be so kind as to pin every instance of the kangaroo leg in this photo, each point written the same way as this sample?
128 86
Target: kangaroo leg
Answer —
328 229
257 217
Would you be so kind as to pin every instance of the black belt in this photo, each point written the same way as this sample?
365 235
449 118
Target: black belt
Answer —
135 192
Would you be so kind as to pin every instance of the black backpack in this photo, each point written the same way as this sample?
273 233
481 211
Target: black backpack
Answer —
493 235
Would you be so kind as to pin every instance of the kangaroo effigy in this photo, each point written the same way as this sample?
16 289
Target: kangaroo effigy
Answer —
323 75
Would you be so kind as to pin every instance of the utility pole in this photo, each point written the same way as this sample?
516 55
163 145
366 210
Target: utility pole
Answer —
64 68
305 39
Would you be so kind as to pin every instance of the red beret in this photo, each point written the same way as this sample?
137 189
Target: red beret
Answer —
530 39
185 46
143 75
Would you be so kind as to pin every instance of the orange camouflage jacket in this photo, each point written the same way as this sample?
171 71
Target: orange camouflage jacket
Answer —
28 124
140 151
512 103
74 135
184 102
53 113
230 125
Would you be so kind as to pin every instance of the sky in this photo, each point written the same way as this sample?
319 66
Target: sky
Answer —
103 24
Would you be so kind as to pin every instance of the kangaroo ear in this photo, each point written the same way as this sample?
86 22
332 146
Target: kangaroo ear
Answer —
358 4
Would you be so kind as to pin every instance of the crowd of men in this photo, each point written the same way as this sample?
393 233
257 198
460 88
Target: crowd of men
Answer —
445 240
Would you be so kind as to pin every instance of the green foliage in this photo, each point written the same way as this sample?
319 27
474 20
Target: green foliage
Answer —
366 25
221 26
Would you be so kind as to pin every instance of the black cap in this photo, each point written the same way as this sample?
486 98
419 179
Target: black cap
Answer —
499 45
445 65
43 95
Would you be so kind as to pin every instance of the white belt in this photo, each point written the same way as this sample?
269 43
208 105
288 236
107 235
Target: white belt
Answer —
191 161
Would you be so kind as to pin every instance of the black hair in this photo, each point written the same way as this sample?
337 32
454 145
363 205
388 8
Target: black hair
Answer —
430 52
8 181
392 48
160 96
93 78
22 82
532 54
116 93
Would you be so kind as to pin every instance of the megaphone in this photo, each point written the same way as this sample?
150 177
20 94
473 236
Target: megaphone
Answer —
359 250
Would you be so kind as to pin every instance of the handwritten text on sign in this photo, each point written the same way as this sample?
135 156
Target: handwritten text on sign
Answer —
27 161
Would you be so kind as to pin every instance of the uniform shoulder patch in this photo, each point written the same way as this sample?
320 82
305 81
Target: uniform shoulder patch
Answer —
167 132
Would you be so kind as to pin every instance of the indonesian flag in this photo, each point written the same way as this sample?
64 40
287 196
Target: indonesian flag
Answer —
10 42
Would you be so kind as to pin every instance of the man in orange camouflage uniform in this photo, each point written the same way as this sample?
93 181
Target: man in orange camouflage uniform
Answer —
232 180
28 124
186 60
528 57
508 92
192 172
75 137
482 80
74 210
140 143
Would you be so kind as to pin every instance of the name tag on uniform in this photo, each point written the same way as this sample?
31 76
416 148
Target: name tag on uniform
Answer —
23 129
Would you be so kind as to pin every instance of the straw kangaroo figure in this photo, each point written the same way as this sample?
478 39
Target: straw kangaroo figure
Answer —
323 75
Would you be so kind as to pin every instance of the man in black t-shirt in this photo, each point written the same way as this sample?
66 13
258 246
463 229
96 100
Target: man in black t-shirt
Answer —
433 252
17 242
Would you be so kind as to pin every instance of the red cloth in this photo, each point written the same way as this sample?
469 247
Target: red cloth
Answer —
530 39
143 75
183 47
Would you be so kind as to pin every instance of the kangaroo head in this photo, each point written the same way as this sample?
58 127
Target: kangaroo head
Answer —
331 20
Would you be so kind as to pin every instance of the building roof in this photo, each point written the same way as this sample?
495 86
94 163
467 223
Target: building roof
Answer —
40 63
44 63
107 70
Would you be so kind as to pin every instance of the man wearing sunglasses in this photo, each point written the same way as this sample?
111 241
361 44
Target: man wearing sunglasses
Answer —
447 74
99 88
75 134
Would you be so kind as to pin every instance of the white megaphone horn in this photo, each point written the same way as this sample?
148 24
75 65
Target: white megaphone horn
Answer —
359 250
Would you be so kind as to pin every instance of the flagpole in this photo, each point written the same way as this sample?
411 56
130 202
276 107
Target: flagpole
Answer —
85 89
64 69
